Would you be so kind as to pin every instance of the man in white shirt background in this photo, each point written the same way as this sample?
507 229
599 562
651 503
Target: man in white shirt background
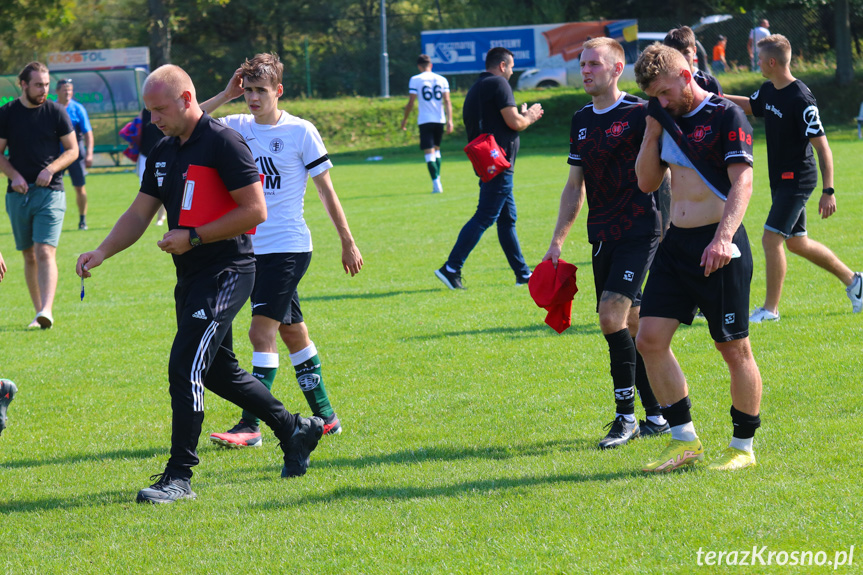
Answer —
435 112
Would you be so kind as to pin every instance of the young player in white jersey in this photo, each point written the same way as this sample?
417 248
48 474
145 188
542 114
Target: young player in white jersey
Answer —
435 111
288 150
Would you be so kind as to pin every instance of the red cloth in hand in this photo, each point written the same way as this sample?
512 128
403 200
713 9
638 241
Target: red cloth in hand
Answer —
553 289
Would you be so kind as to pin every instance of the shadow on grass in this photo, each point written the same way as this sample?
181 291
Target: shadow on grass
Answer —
514 331
98 232
455 454
18 328
368 295
438 453
407 492
50 503
85 457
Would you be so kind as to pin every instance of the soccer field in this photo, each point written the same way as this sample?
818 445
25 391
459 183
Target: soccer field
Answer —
470 427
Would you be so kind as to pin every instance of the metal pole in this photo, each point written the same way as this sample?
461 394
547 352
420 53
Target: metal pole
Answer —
385 60
308 69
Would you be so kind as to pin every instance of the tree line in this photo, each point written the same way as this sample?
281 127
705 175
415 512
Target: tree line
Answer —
334 46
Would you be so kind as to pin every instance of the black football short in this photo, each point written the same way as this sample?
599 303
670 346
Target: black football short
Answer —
276 279
788 212
676 286
620 266
430 135
78 169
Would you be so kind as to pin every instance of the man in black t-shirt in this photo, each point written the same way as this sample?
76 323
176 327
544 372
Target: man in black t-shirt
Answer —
150 136
683 40
489 107
34 128
215 274
704 260
793 127
622 227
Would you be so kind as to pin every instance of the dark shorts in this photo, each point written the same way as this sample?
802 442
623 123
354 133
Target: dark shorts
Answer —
676 286
275 292
37 216
621 266
787 215
78 169
430 136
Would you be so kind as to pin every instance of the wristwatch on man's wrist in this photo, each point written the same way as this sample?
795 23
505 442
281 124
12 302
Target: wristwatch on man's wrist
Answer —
194 238
829 191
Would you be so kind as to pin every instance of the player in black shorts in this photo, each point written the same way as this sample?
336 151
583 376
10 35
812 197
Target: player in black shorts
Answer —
704 260
431 92
215 273
622 227
793 127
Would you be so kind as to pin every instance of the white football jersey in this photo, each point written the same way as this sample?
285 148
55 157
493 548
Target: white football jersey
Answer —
287 154
429 89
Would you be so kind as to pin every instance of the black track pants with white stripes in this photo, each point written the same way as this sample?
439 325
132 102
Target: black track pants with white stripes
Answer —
202 356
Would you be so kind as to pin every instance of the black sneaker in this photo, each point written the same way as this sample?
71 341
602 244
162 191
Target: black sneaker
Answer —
523 280
167 489
7 394
620 432
332 425
82 225
647 428
303 441
452 280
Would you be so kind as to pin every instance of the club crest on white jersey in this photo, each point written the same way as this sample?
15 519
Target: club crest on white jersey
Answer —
276 145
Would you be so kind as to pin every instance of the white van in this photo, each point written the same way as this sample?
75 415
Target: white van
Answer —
571 75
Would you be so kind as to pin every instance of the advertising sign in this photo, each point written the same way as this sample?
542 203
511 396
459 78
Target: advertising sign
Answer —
137 57
542 46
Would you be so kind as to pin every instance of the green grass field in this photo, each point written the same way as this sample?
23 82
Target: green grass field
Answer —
469 425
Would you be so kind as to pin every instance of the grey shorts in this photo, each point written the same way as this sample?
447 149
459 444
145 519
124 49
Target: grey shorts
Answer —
36 217
787 215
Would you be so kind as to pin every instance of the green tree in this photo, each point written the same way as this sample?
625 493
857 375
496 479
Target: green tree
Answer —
30 29
28 25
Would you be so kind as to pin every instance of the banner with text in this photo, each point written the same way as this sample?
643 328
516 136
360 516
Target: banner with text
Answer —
137 57
542 46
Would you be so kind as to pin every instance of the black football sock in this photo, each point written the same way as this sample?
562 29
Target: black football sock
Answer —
648 400
621 351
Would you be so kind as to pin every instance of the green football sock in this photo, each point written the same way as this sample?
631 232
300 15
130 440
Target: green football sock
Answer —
437 162
433 171
267 375
307 364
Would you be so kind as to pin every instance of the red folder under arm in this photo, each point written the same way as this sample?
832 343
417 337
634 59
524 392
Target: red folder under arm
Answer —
205 198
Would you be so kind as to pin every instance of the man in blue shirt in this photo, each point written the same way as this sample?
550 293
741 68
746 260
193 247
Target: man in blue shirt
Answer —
84 134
